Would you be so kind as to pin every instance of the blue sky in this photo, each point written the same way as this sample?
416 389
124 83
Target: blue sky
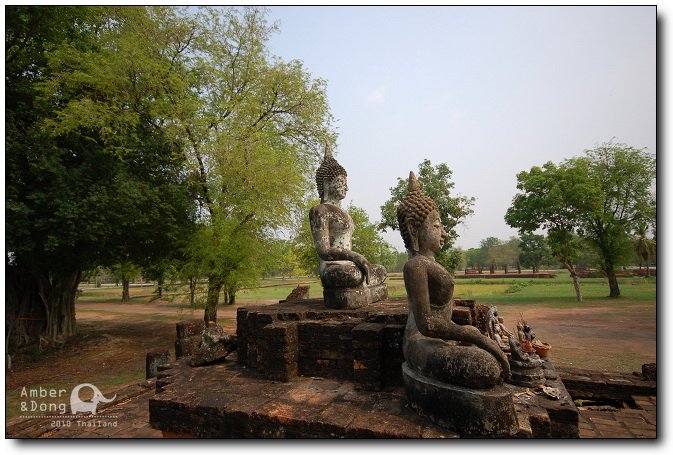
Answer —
490 91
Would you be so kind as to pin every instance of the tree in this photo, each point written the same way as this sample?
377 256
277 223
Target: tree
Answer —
644 246
436 182
600 197
89 174
367 239
623 178
452 259
252 131
553 198
534 251
125 272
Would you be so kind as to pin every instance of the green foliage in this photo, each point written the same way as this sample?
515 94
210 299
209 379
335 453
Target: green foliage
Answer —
518 286
367 240
436 182
534 251
623 177
251 132
90 172
302 240
600 197
451 259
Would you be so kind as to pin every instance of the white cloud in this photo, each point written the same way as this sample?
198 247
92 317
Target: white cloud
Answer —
377 96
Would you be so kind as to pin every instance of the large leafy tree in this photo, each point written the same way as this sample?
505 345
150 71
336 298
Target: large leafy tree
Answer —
436 182
90 177
598 198
534 251
623 178
252 133
554 198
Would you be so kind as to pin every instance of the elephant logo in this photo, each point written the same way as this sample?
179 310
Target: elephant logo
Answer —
77 405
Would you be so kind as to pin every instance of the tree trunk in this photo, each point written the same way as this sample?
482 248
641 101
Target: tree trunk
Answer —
25 317
192 290
230 295
518 266
612 281
58 295
576 280
215 284
160 287
126 295
506 269
40 307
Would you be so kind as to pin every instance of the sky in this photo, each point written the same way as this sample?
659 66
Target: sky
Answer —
490 91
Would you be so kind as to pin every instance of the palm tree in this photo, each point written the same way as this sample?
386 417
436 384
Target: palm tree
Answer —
644 247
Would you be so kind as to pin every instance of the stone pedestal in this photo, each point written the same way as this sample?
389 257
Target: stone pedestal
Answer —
526 375
469 412
352 298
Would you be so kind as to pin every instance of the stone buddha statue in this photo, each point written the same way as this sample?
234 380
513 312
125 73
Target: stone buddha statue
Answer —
451 371
348 279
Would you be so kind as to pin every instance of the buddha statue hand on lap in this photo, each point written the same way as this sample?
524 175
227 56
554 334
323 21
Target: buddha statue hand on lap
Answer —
349 280
434 345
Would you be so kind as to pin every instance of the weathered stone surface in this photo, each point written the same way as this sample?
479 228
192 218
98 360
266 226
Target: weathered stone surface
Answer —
185 347
649 371
590 384
216 352
356 297
215 346
153 360
226 401
191 328
298 293
469 412
563 414
272 339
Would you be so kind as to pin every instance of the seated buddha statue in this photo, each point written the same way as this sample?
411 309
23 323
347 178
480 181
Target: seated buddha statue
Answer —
349 280
434 346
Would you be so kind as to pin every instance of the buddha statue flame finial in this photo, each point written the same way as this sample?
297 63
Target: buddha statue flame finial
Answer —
328 151
414 185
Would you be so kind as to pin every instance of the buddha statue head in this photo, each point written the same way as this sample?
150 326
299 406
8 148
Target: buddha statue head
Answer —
331 179
419 221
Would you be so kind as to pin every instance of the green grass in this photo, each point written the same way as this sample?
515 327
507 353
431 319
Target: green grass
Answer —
556 292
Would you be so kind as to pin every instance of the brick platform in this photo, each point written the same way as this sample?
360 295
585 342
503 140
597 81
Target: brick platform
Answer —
639 423
306 338
228 400
621 423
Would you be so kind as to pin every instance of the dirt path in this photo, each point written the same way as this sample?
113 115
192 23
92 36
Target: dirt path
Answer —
595 338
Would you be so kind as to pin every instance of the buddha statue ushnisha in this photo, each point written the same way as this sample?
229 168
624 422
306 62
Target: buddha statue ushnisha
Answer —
348 278
434 346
